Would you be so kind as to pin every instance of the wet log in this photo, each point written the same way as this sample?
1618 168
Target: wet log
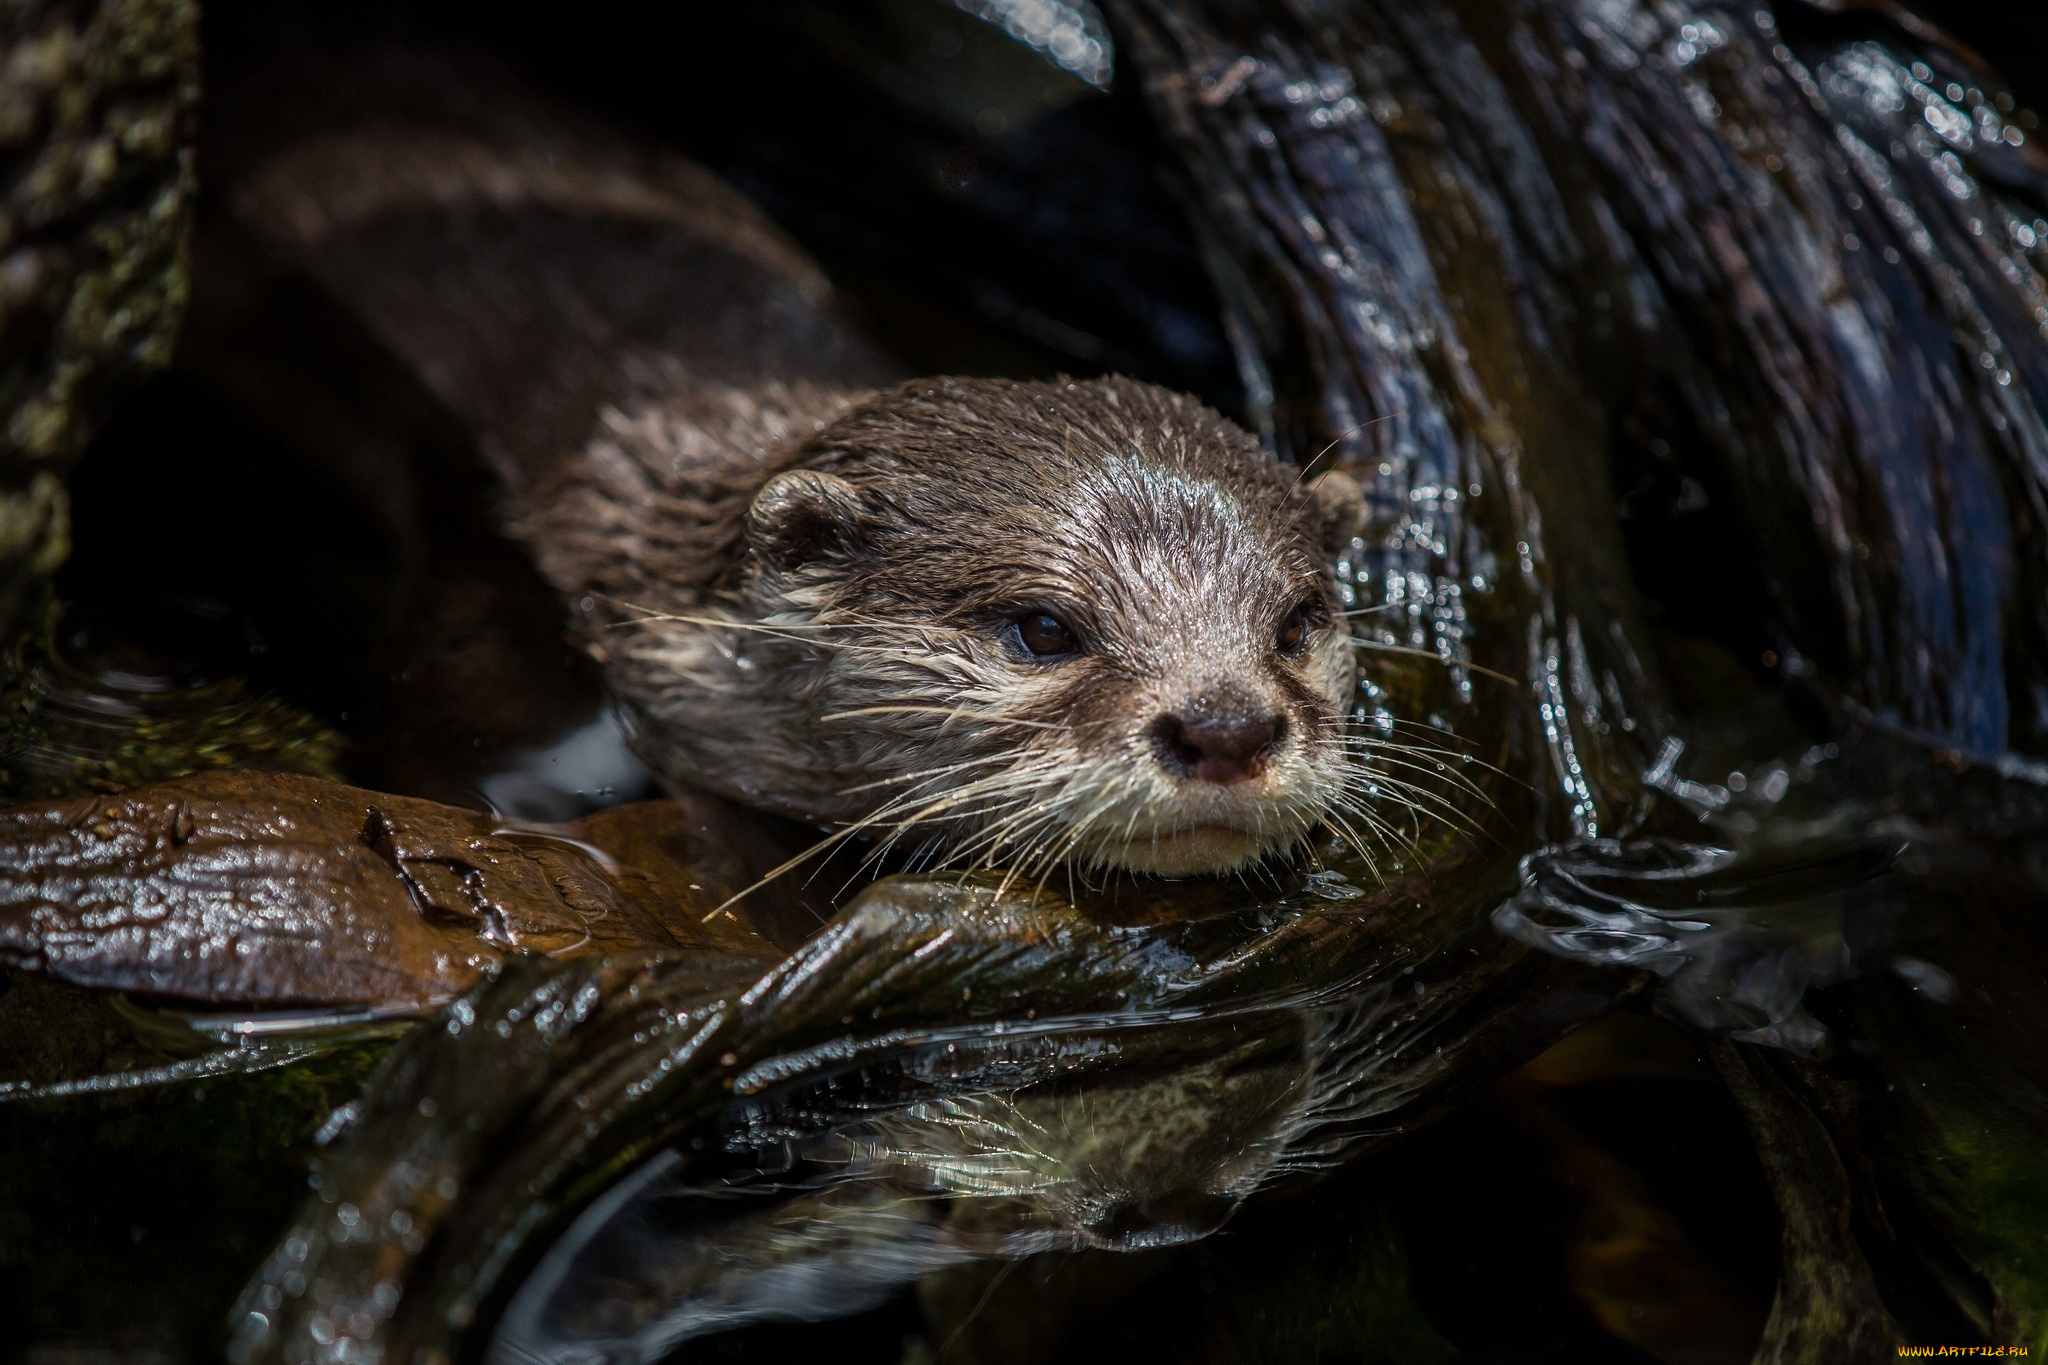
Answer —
1827 1307
97 113
1796 254
274 891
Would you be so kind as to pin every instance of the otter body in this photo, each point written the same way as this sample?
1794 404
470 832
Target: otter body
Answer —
1082 621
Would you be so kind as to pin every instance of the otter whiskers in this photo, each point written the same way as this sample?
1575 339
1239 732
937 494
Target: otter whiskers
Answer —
944 803
951 711
1447 661
1040 812
1377 759
796 632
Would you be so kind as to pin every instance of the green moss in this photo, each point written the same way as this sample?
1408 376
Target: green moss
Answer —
64 732
97 115
136 1217
1963 1128
52 1032
132 1218
1982 1165
96 124
52 758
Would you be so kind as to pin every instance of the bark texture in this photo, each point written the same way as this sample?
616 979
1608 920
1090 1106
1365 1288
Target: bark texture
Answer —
98 104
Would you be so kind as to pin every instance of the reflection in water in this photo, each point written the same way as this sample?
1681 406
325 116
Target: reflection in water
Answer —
854 1215
941 1075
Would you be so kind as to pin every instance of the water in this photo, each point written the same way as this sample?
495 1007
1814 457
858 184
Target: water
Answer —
1512 266
1788 899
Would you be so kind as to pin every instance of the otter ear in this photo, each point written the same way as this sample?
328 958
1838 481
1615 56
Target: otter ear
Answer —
801 514
1337 507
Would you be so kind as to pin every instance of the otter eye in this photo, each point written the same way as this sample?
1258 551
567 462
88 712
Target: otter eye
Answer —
1045 637
1294 628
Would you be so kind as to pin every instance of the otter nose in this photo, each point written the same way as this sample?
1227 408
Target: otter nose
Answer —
1220 747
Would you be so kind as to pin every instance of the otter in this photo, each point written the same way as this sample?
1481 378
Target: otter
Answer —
1081 622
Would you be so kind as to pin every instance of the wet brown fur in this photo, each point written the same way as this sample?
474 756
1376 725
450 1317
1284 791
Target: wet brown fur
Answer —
1159 531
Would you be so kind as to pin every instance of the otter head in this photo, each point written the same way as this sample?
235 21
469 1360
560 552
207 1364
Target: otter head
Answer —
1043 623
